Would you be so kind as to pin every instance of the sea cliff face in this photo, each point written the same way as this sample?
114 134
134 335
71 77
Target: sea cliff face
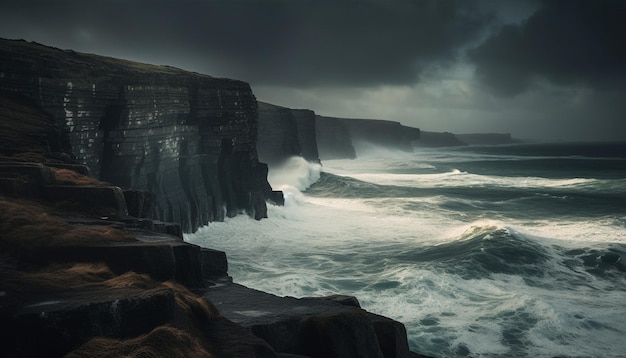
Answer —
306 121
278 134
439 139
190 139
84 270
345 138
447 139
284 132
333 139
388 134
486 138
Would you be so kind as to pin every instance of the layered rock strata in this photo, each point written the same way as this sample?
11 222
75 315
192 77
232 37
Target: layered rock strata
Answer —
311 327
306 122
447 139
486 138
278 134
333 139
438 139
187 138
284 133
380 133
65 294
85 271
345 138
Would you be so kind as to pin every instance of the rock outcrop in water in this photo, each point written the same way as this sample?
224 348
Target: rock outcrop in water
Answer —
187 138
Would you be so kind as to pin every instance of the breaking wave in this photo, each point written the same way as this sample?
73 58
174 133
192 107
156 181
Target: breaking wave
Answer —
474 264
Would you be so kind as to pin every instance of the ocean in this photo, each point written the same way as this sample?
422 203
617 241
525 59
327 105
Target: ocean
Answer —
481 251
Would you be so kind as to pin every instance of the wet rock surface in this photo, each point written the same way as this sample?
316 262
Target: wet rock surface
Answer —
250 323
345 138
88 264
285 133
310 327
439 139
187 138
380 133
333 139
53 325
278 134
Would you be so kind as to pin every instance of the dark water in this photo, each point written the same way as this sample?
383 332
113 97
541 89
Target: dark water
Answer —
508 251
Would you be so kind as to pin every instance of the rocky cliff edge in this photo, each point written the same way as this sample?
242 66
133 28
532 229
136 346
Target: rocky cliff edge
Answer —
85 271
189 139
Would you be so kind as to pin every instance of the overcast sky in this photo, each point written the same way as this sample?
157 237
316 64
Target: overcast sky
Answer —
553 69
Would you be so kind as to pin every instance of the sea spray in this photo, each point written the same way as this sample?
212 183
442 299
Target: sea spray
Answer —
474 264
295 172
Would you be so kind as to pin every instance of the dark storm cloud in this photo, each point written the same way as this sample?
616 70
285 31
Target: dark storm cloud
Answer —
567 43
280 42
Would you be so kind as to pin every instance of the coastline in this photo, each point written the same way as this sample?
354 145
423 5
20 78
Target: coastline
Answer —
73 278
91 268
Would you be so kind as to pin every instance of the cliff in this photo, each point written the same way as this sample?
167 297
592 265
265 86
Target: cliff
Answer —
447 139
84 271
438 139
284 133
388 134
486 138
333 139
307 134
79 277
277 134
346 137
187 138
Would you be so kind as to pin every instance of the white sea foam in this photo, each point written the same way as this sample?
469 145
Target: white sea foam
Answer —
571 233
295 172
457 178
364 247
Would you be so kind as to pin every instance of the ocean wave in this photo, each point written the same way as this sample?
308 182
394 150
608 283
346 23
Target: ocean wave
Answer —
473 264
484 250
458 193
459 178
296 172
337 186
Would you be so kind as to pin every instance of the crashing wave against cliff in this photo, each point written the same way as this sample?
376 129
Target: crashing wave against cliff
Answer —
188 138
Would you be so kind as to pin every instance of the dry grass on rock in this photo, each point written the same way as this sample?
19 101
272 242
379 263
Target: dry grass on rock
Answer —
68 276
27 226
163 341
67 176
192 305
89 276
